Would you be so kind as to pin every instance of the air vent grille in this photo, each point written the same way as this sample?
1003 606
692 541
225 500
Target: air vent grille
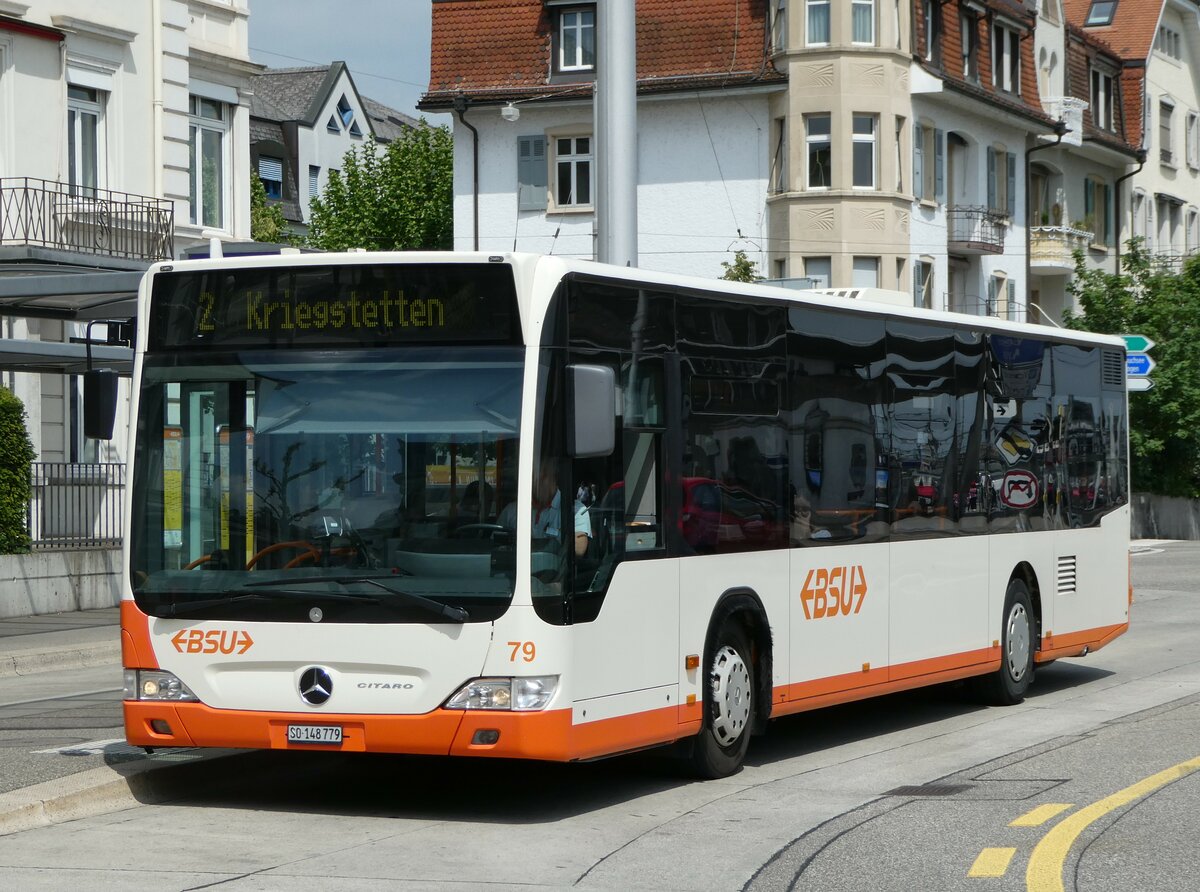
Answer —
1066 574
1113 369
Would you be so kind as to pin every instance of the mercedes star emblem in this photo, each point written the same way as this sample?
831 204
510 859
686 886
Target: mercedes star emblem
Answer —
316 685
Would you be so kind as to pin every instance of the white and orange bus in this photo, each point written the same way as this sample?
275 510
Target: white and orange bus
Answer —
521 506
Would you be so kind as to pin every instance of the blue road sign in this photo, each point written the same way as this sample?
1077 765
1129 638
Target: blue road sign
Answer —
1138 365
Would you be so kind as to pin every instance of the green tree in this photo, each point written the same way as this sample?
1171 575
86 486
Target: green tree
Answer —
1164 423
397 200
741 270
16 455
266 220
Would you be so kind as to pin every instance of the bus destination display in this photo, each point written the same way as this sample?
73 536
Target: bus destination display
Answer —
369 305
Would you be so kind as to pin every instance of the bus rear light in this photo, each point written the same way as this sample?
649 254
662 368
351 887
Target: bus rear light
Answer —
527 694
155 684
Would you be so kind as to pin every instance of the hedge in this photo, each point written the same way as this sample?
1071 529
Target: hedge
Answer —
16 455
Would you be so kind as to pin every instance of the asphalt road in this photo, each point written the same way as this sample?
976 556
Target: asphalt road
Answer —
1091 784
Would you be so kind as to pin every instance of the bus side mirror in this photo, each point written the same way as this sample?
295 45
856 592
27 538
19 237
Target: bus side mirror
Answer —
592 431
99 403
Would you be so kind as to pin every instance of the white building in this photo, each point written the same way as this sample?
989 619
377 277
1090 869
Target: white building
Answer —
125 140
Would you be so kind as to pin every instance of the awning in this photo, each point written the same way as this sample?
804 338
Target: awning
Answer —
62 359
81 296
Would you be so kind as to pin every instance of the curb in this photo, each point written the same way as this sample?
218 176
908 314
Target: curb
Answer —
99 791
76 656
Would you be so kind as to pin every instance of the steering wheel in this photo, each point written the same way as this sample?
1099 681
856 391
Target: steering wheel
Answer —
203 559
315 554
479 530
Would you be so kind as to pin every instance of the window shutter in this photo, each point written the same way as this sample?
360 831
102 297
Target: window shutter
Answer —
531 173
1012 301
270 169
991 178
939 165
1010 197
918 161
1089 198
1108 219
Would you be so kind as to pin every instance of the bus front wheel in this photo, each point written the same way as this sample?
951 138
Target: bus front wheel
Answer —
729 705
1007 686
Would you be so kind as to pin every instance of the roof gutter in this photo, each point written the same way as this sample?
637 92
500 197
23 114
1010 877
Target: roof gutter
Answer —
460 108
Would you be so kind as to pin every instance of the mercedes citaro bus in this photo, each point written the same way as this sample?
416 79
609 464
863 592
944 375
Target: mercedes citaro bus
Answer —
522 506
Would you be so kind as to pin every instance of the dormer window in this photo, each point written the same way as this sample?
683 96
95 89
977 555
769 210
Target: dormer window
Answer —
575 35
1102 100
1006 59
1101 13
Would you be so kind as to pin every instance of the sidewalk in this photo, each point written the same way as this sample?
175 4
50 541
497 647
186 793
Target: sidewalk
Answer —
78 640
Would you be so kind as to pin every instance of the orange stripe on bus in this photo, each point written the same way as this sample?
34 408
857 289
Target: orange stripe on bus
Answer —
137 650
1072 644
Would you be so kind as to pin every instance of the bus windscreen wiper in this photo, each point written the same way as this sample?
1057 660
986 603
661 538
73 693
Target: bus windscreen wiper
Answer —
240 595
454 614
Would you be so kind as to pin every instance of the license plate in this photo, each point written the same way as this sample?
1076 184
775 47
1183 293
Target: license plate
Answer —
314 734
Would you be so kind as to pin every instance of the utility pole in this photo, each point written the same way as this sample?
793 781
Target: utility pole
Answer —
616 133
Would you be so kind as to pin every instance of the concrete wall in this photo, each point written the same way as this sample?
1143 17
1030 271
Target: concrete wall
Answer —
1164 517
56 581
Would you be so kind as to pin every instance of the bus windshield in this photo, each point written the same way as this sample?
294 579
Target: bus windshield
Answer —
343 485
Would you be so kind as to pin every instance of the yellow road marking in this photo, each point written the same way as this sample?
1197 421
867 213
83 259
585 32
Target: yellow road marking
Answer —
991 863
1040 815
1044 873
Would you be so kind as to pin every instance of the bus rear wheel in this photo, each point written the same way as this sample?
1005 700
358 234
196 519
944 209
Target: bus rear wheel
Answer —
1008 685
720 748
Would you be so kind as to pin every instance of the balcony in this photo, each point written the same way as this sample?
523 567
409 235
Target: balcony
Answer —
1052 248
975 230
48 214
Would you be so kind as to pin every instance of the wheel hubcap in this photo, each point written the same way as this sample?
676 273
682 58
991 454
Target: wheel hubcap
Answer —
1017 644
731 695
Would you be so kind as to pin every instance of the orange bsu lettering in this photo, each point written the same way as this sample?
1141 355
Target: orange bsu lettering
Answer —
836 592
197 641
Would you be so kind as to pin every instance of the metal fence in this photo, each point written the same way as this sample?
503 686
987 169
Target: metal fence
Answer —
49 214
76 505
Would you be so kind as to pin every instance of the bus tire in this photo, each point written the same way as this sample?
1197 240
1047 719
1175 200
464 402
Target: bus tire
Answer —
1008 685
720 747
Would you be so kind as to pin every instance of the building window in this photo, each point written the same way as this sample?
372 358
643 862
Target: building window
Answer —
779 27
1192 140
866 273
1102 100
923 283
314 176
1101 12
1167 42
1006 59
1049 10
1193 231
899 161
862 21
779 174
270 172
933 31
576 34
572 171
817 30
818 269
1166 111
207 161
345 114
1138 212
929 163
1097 210
820 157
1002 181
864 151
531 173
85 116
970 46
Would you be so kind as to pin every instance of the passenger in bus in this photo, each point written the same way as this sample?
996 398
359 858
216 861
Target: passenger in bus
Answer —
547 511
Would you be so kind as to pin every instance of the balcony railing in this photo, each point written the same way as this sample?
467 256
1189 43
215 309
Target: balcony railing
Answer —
76 505
48 214
1052 248
975 230
976 305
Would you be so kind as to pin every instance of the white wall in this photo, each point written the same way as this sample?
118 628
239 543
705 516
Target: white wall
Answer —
321 147
702 177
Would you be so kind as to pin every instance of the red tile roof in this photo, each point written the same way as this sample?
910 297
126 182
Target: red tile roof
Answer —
1131 34
500 49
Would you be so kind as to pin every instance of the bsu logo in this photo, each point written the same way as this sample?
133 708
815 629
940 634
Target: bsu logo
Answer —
839 591
226 641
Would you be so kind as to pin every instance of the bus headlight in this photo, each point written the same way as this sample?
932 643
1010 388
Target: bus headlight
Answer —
155 684
527 694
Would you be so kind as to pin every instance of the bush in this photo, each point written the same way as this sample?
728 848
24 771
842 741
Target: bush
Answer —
16 455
